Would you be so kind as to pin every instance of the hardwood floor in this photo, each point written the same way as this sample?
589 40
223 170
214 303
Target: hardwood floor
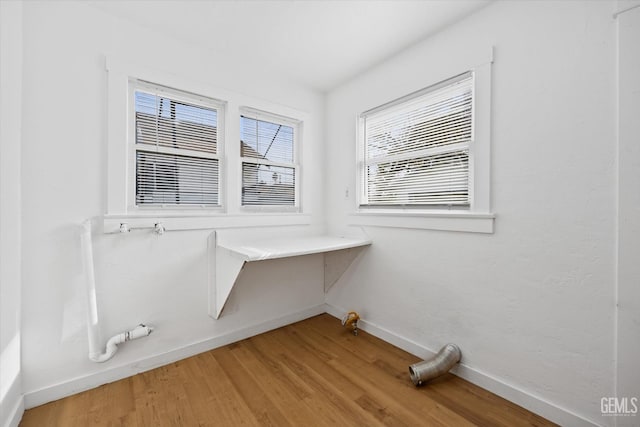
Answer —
312 373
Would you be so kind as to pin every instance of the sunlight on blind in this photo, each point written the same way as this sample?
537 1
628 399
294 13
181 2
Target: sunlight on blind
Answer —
417 150
165 122
268 172
176 151
163 179
267 185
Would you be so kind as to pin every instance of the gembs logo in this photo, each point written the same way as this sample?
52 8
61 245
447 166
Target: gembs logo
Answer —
619 406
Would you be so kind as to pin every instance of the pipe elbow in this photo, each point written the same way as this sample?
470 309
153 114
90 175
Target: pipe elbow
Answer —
139 331
111 349
438 365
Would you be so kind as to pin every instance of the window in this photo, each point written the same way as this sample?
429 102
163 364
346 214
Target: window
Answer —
416 149
268 158
176 148
168 161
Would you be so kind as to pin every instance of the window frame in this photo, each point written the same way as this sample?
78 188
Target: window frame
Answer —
401 103
117 210
478 217
296 125
135 84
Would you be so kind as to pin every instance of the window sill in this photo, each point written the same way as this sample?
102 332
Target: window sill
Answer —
111 223
468 222
268 210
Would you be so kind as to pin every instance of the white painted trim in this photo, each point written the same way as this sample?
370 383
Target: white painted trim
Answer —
111 223
77 385
626 9
445 221
296 123
11 137
120 71
480 66
133 148
15 416
626 347
497 386
510 392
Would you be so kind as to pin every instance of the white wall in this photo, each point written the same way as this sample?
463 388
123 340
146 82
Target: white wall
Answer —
628 300
11 404
141 277
531 305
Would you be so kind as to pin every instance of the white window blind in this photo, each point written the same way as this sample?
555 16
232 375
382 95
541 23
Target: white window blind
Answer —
416 149
268 161
176 149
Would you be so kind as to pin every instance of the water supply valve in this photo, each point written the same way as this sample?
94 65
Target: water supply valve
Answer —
350 320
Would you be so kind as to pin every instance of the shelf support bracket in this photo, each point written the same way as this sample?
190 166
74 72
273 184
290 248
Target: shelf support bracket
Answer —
226 259
336 263
224 269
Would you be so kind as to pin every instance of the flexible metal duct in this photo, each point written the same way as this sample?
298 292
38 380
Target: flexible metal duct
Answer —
439 364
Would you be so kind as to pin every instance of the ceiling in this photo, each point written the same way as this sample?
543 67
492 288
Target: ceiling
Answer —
320 44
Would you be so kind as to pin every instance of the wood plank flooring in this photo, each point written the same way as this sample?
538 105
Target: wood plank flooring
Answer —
311 373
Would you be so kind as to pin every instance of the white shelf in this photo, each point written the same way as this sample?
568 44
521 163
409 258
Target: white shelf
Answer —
228 256
290 247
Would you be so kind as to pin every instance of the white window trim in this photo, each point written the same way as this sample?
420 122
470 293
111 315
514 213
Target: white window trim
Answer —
478 217
179 95
118 207
297 125
393 108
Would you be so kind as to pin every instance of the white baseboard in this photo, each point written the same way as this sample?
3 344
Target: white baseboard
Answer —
510 392
77 385
13 420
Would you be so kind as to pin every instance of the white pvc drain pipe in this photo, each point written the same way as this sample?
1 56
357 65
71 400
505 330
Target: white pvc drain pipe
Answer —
96 353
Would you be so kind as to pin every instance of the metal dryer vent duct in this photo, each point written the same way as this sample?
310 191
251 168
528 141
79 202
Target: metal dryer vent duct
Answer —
439 364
